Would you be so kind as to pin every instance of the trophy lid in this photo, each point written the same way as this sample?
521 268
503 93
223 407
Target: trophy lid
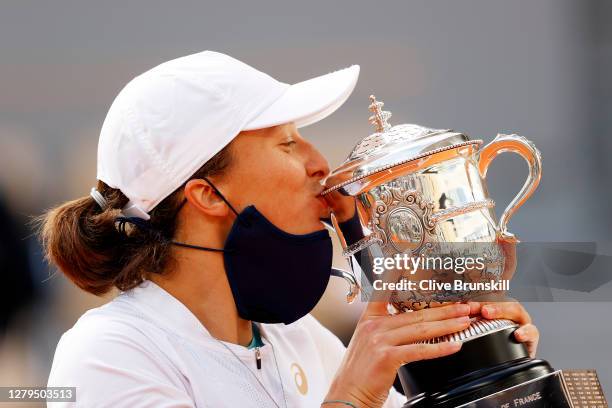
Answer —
391 146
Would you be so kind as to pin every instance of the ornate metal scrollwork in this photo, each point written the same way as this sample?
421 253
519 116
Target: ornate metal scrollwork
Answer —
403 219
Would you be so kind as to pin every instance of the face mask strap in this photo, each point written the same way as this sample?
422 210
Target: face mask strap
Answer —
221 195
184 245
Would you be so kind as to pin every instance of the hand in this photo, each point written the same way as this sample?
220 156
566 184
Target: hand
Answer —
381 344
342 206
528 333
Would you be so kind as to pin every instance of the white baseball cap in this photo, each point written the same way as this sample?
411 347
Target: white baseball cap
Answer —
167 122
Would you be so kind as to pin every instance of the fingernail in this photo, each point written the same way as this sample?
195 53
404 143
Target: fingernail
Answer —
488 309
454 345
520 334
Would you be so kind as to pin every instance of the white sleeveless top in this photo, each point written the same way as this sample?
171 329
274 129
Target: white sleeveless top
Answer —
146 349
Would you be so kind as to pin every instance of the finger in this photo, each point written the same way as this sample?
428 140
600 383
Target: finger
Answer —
342 206
474 307
416 352
527 333
424 331
530 336
427 315
506 310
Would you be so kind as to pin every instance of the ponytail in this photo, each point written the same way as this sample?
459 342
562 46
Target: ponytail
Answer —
85 243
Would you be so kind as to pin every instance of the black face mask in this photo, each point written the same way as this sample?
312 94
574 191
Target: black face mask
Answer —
275 276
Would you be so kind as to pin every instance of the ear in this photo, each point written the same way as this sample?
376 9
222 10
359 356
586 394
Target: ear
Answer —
202 196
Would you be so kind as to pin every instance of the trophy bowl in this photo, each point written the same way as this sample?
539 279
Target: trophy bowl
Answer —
408 193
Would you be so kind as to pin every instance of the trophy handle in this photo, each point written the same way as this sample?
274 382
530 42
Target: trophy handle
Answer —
527 150
353 285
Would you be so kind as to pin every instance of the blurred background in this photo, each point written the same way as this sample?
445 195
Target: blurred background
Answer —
540 68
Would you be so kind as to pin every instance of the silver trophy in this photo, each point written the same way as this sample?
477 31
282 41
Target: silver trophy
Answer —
422 192
414 192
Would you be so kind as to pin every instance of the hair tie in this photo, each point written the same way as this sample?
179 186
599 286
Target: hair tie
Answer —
138 222
98 198
143 225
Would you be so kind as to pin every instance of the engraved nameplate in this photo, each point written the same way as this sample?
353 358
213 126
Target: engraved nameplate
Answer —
584 389
548 391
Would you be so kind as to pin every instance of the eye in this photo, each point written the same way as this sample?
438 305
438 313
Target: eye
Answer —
288 143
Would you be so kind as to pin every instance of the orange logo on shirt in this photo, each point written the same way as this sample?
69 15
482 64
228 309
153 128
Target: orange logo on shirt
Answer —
300 378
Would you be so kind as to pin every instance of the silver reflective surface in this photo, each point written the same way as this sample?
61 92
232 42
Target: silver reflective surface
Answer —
422 192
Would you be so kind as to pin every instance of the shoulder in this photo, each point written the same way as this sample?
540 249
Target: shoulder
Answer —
110 351
114 325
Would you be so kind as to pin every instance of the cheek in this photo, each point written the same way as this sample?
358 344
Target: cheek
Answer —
274 183
290 179
284 196
277 183
287 183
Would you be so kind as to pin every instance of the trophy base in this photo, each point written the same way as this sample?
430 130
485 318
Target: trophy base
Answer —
547 391
492 369
485 365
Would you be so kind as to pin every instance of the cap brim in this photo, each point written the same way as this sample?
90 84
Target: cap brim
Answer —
309 101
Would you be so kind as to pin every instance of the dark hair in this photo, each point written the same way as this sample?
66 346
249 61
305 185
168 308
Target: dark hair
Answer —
88 247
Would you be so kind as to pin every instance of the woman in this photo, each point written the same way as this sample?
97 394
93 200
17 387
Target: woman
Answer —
206 217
